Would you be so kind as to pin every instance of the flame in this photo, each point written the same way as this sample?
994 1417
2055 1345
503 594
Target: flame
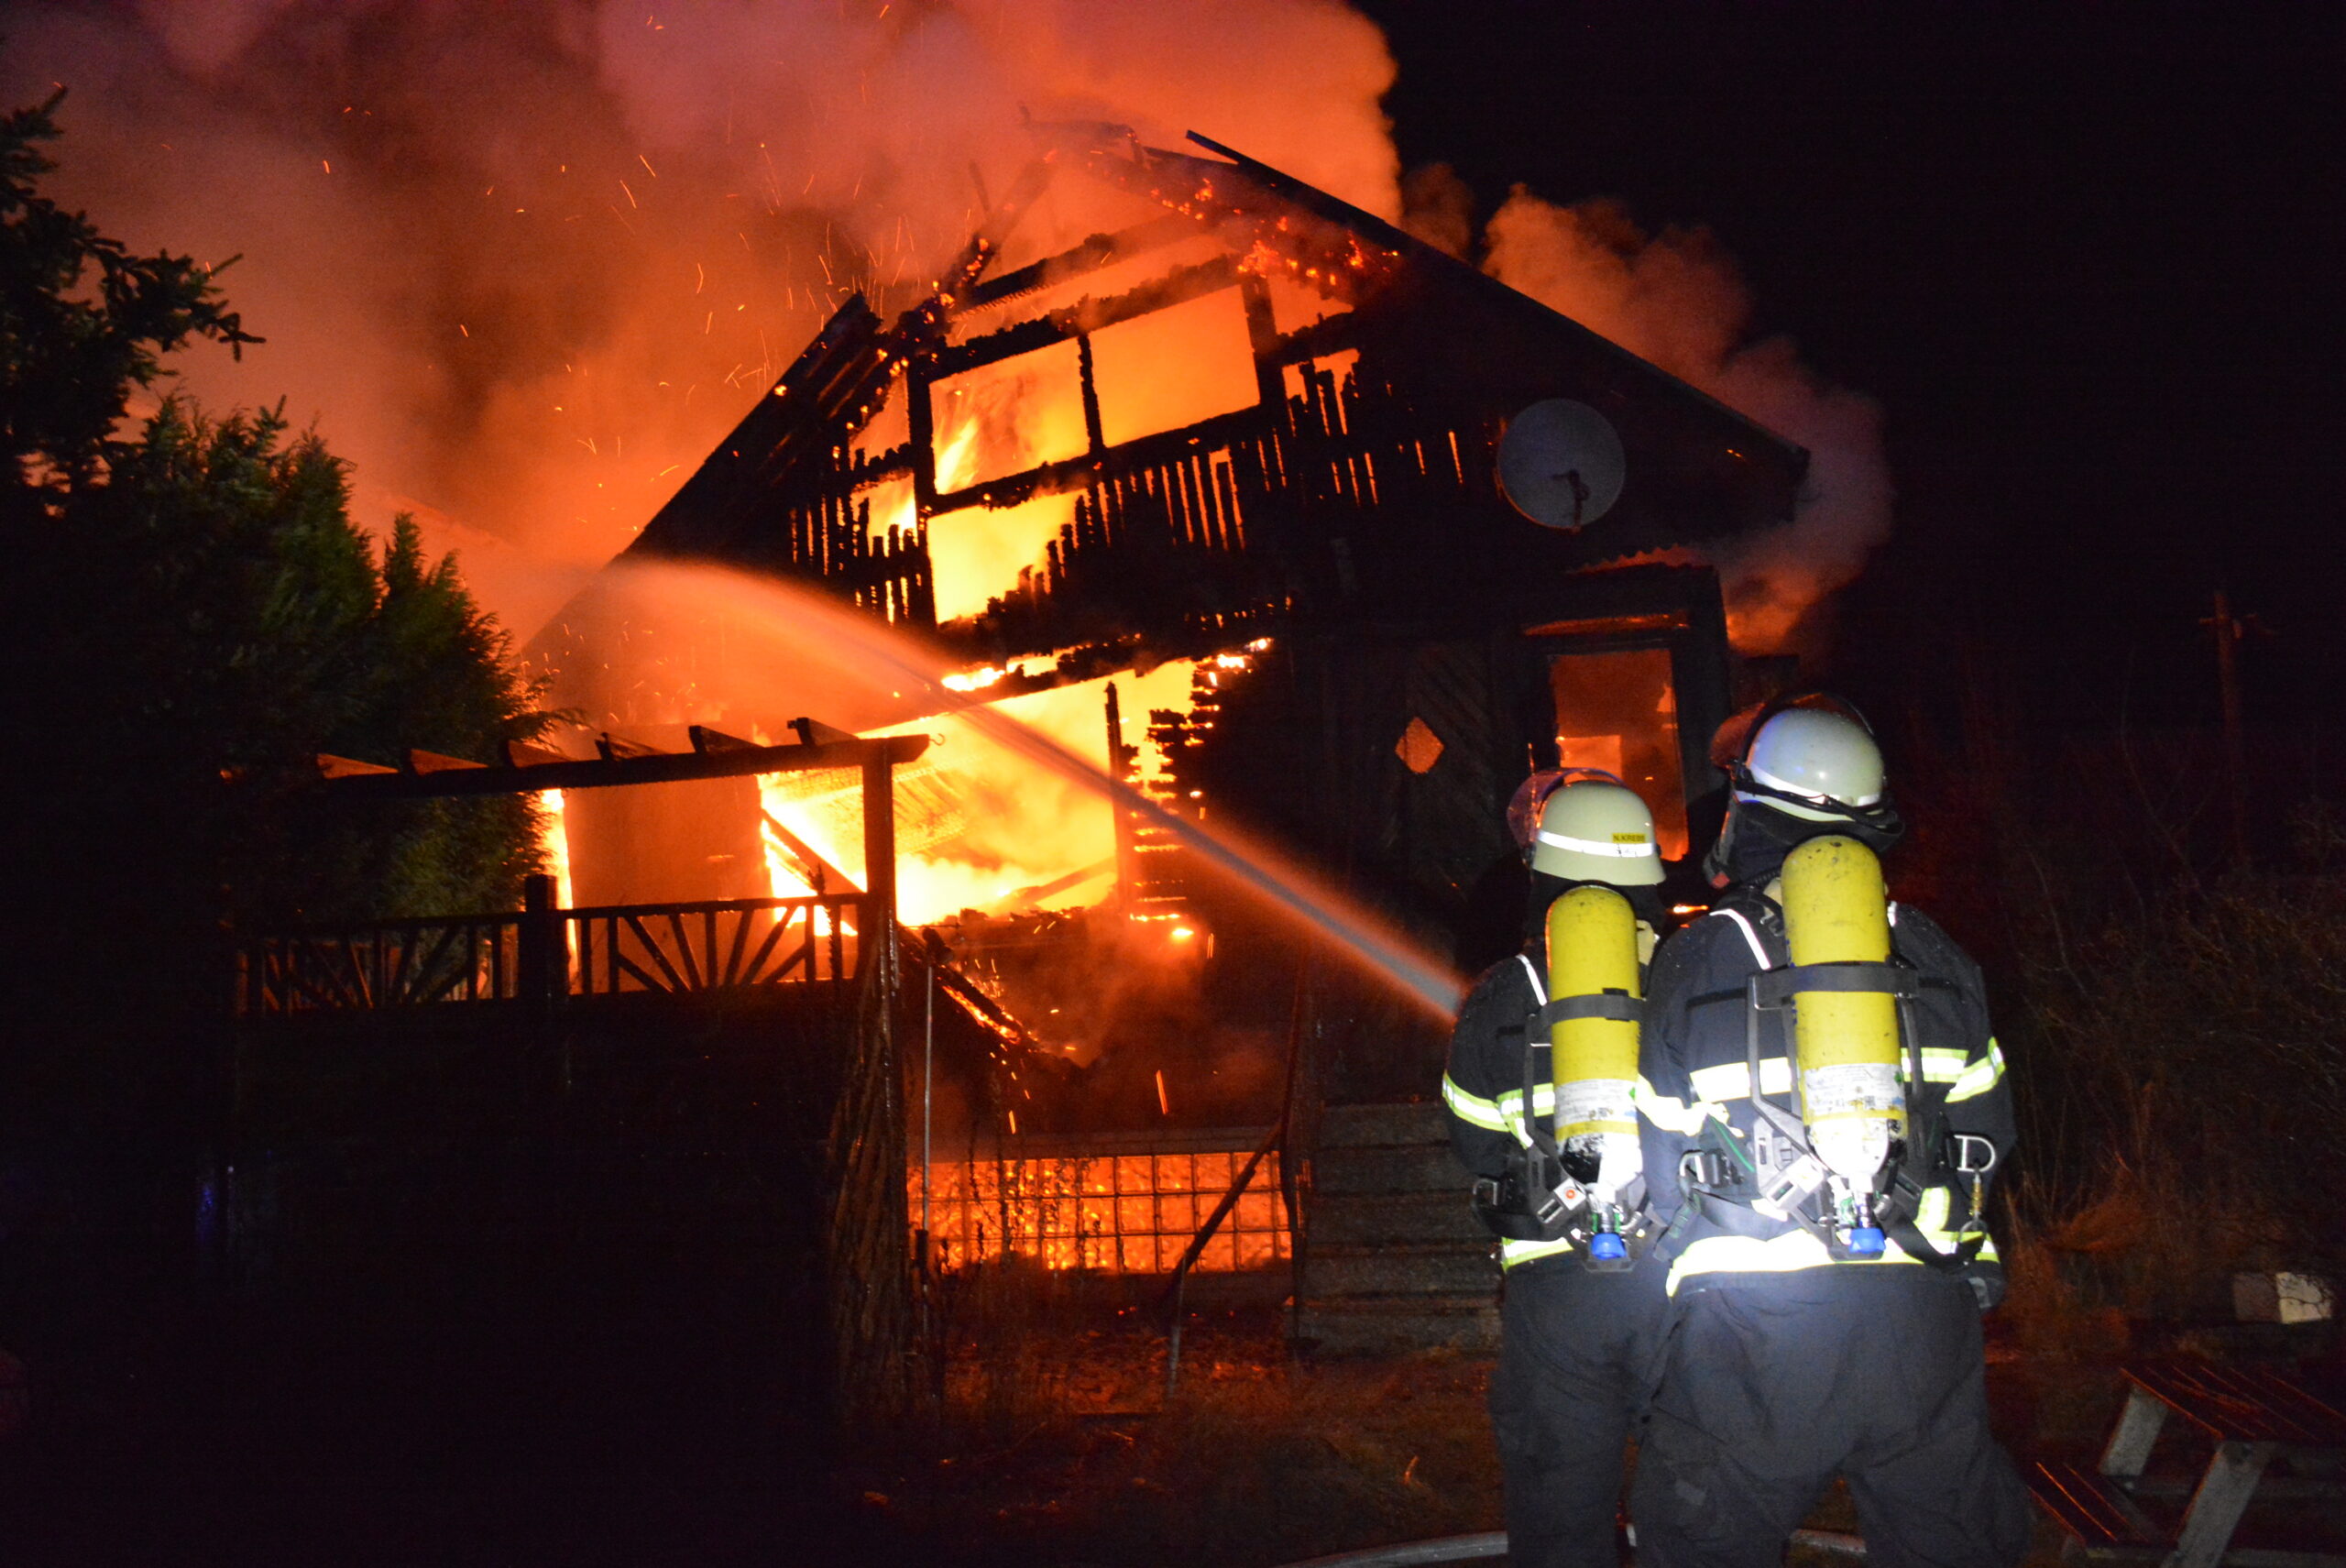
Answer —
976 822
555 843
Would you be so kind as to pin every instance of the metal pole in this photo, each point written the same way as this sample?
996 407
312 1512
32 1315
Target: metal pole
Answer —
928 1077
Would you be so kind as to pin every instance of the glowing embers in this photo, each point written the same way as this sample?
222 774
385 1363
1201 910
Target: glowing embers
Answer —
1173 367
1117 1213
1008 417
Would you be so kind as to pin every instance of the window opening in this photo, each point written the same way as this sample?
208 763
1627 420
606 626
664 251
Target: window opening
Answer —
1618 710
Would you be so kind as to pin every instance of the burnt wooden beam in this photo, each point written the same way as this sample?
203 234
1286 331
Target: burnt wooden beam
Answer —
1133 457
666 767
524 755
820 874
1086 315
1099 252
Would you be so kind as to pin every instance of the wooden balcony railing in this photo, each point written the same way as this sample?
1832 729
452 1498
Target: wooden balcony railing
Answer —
545 954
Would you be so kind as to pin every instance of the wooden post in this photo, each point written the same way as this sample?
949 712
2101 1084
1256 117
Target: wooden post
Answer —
879 849
542 967
1120 769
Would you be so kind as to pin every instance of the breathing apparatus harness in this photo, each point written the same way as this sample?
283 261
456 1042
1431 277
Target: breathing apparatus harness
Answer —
1752 1191
1550 1190
1781 1176
1543 1194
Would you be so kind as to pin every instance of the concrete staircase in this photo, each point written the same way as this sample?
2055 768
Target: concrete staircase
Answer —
1394 1260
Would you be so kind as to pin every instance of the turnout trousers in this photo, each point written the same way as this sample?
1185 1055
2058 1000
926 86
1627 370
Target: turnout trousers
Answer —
1772 1384
1577 1353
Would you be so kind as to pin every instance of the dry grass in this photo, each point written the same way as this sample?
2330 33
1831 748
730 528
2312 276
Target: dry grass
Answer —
1057 1440
1057 1444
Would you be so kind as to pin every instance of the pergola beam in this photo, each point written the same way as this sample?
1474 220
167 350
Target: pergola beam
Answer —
669 767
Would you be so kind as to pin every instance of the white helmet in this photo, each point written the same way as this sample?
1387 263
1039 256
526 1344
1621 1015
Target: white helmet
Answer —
1812 762
1596 828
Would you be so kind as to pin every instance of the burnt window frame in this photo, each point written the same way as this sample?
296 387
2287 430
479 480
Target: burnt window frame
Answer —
1678 609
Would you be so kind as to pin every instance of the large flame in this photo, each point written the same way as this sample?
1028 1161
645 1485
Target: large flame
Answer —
979 824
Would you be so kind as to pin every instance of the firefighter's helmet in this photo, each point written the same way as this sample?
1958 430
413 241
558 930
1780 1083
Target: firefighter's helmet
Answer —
1812 762
1592 827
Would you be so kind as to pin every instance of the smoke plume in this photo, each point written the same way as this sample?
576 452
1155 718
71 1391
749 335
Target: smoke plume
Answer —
1677 299
524 264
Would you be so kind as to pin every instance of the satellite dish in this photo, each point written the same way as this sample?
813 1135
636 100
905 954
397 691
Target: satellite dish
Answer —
1561 464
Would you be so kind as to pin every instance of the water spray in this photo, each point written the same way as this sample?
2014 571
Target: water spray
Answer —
845 639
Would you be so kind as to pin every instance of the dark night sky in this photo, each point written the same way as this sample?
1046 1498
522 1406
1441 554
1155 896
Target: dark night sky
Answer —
2084 255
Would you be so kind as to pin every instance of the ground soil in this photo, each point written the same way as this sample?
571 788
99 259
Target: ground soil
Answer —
1066 1449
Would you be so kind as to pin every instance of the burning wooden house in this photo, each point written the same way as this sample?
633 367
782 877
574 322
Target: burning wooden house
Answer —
1251 435
1267 507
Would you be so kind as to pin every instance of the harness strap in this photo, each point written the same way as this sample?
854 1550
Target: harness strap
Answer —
1775 987
1615 1005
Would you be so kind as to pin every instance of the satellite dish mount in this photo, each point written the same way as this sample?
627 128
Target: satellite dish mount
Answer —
1561 464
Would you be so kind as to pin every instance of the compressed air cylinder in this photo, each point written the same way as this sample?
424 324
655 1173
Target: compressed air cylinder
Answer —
1593 948
1852 1097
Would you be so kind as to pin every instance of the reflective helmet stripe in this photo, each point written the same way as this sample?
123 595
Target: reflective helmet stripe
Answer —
1640 850
1763 776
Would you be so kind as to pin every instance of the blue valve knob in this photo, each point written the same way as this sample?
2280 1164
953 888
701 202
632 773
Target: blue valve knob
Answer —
1865 1241
1607 1247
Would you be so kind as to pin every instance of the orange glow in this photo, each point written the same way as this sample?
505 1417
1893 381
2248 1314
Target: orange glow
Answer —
1008 417
1132 1213
1033 829
1173 368
555 844
976 554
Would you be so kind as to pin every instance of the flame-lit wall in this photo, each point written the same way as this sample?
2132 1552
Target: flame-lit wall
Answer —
1113 1212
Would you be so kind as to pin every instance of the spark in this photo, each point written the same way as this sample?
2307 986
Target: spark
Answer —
647 165
631 195
326 166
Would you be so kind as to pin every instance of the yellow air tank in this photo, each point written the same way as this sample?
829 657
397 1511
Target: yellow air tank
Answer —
1852 1097
1593 948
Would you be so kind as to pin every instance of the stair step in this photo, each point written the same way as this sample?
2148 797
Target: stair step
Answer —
1375 1219
2093 1508
1355 1126
1331 1273
1414 1169
1388 1325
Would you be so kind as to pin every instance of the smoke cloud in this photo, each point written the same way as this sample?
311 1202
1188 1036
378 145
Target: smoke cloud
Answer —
525 264
1677 299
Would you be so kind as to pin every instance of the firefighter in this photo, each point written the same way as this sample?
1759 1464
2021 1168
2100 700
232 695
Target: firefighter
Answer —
1827 1259
1579 1309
